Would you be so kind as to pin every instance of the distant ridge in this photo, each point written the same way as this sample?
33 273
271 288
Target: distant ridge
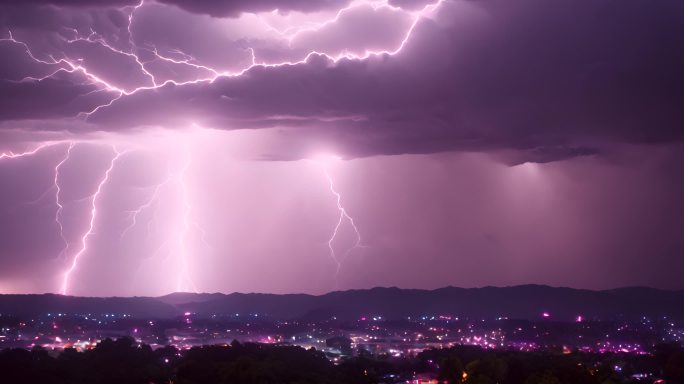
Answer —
31 305
516 302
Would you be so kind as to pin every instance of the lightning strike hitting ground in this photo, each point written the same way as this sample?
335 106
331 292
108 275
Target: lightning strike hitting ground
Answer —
184 282
63 64
93 216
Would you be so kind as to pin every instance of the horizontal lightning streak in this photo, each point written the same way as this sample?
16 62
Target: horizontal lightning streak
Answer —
30 152
71 66
313 26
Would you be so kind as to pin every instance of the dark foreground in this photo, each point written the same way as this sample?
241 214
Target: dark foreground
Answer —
124 361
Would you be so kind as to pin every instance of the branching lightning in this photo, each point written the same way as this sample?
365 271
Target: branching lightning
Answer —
66 64
91 226
30 152
56 186
62 63
291 33
154 199
341 218
184 282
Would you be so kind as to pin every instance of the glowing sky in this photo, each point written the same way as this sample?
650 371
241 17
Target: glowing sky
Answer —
311 145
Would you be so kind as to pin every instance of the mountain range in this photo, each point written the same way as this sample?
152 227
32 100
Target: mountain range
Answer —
517 302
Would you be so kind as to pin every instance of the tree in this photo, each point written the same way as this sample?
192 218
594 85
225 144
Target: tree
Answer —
451 369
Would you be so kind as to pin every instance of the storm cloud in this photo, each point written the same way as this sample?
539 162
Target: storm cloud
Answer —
474 142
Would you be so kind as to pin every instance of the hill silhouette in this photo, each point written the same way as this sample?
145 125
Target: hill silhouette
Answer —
517 302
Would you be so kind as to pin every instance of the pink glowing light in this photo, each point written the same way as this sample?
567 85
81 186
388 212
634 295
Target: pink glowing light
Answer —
324 161
184 281
91 227
13 155
69 65
65 64
58 201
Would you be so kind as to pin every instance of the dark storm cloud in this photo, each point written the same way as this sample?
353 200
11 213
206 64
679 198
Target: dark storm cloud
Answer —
75 3
221 8
551 80
234 8
39 18
49 98
35 82
529 81
557 79
411 4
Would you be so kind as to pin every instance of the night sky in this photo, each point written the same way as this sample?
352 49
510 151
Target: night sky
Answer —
314 145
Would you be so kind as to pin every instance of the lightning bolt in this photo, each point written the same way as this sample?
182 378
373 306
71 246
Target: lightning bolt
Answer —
30 152
58 201
56 186
69 65
91 226
65 64
291 33
95 38
184 282
342 217
154 198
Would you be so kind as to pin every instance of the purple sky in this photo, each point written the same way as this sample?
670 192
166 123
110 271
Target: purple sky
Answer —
311 145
